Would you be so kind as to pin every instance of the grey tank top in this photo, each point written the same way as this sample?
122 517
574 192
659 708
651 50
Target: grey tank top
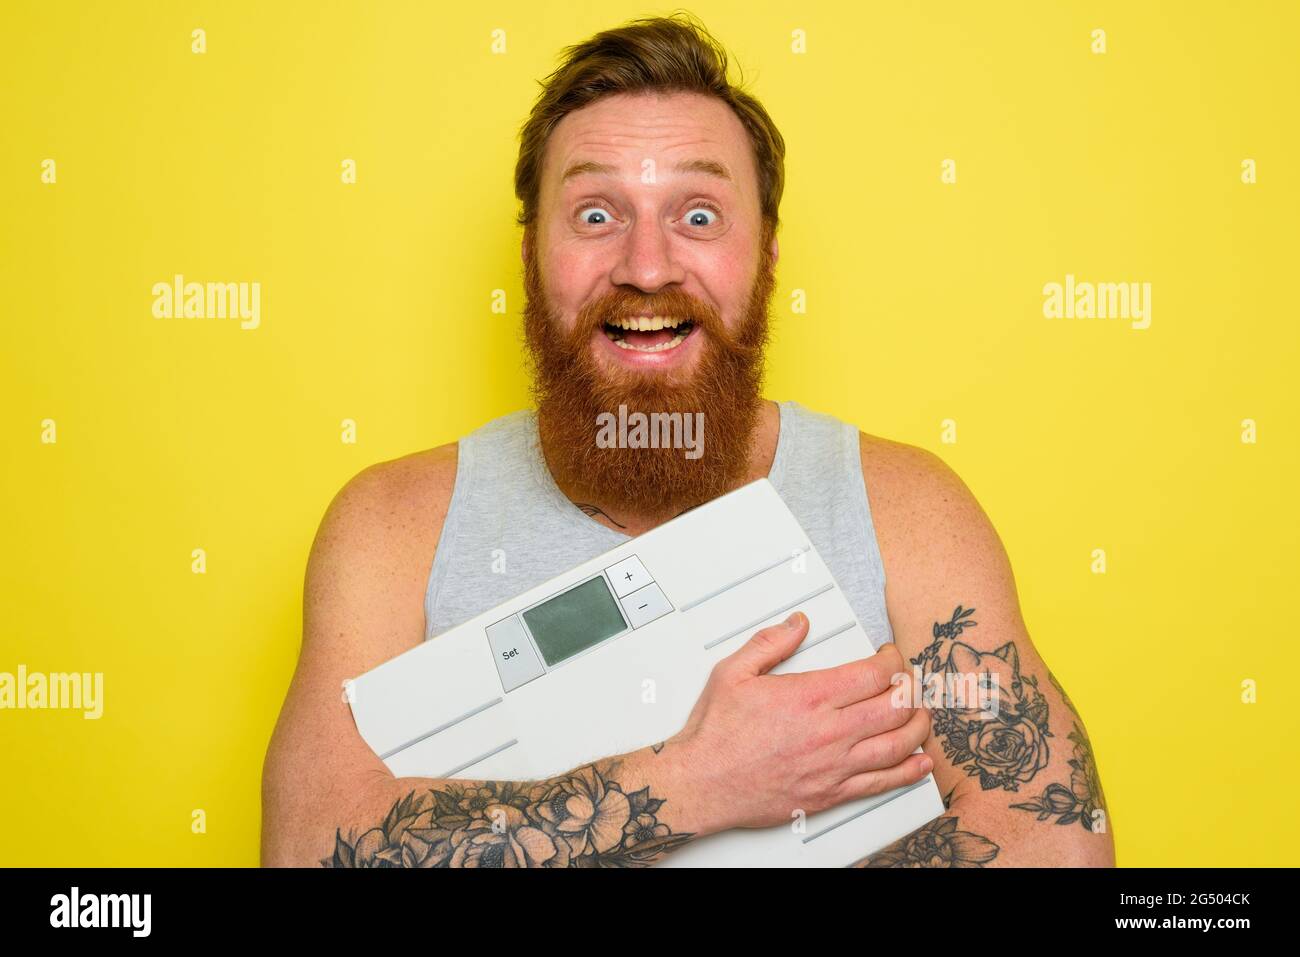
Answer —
509 527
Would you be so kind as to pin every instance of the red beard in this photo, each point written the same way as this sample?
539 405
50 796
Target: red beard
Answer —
572 390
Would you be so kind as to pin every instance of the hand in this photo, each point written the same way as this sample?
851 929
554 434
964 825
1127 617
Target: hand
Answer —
757 746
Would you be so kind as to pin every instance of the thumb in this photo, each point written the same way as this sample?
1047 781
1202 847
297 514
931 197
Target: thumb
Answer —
771 646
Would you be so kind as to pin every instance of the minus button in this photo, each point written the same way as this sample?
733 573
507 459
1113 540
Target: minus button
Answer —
645 605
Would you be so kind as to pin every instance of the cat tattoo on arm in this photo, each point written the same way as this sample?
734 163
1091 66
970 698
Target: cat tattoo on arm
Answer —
997 731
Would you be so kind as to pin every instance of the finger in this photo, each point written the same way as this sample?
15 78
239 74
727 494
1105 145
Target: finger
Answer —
856 680
871 783
884 712
888 748
769 647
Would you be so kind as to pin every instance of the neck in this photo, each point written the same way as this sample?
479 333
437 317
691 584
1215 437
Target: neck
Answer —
629 517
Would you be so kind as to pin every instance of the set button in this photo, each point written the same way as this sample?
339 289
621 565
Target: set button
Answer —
516 661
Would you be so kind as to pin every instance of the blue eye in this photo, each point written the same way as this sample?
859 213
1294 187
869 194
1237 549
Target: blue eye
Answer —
599 212
693 215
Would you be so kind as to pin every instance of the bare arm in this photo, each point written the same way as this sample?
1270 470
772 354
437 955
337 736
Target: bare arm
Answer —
1012 756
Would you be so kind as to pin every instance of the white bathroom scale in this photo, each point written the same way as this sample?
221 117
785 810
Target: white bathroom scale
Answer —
610 657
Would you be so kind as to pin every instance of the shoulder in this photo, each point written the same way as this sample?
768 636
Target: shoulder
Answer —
913 487
392 501
370 561
934 536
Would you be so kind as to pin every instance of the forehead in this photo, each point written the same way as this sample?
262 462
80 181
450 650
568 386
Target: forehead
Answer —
623 130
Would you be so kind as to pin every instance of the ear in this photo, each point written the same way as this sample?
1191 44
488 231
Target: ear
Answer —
965 659
1010 655
776 251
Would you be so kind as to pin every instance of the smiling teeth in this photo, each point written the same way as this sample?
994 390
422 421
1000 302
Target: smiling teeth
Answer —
672 343
643 324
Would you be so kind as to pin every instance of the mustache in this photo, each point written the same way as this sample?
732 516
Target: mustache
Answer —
622 303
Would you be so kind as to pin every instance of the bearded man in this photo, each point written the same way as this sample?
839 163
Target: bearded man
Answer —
650 189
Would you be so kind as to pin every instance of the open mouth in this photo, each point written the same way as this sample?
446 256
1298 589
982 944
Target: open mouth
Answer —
648 334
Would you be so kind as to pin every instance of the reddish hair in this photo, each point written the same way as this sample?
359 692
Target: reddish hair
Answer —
653 54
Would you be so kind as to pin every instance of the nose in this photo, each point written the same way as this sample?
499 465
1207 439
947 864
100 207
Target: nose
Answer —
646 259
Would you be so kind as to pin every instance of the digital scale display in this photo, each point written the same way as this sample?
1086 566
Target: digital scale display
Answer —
574 620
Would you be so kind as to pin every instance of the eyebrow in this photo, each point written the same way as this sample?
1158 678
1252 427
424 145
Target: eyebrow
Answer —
707 167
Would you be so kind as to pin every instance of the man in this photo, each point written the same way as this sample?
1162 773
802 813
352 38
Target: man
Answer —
650 190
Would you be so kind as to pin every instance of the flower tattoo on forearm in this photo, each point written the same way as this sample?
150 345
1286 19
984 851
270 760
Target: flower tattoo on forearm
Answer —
581 819
937 844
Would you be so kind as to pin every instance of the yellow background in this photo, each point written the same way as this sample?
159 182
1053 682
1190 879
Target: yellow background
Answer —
924 304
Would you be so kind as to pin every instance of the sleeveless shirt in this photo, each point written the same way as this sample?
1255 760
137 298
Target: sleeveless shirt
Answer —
509 526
